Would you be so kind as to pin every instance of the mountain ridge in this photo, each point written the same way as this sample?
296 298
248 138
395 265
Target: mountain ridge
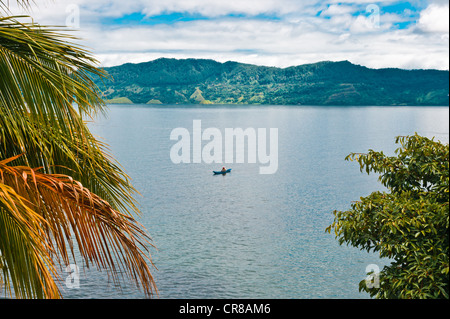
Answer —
179 81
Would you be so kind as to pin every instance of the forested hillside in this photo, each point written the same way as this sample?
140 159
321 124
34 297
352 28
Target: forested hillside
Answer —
188 81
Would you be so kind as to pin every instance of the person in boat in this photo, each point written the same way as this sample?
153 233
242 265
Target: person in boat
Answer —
223 169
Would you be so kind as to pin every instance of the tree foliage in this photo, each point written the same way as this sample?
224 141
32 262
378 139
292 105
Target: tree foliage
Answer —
407 224
323 83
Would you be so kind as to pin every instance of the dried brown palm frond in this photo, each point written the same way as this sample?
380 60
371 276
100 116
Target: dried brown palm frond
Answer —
67 211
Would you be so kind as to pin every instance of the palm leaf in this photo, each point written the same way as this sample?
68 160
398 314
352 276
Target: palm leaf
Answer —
25 260
43 78
65 175
104 236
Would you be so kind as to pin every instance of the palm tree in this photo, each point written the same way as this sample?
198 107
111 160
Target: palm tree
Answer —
59 186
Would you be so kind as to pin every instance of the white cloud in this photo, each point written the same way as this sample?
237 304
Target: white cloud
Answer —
337 9
270 43
209 8
435 18
213 8
358 2
299 36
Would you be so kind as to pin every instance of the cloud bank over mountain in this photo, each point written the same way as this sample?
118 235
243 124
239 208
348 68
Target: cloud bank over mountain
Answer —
282 33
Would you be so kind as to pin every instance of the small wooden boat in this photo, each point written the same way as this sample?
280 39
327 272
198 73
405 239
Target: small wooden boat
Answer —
222 172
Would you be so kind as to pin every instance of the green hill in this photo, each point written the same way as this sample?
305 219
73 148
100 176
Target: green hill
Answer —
197 81
119 100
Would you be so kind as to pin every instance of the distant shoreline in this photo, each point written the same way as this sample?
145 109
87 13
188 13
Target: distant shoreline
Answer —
181 105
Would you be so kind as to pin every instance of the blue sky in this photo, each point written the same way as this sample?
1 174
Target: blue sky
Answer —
280 33
173 16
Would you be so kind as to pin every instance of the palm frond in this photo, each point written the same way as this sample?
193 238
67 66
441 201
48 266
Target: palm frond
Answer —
104 236
4 5
44 75
65 175
43 79
25 257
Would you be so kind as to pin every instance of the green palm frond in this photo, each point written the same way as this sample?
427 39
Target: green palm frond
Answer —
64 174
4 5
45 90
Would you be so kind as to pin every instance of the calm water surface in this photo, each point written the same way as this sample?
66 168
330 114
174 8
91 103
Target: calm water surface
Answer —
246 235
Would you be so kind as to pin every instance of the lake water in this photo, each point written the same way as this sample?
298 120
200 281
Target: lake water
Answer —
245 234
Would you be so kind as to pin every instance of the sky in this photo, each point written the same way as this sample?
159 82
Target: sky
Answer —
282 33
